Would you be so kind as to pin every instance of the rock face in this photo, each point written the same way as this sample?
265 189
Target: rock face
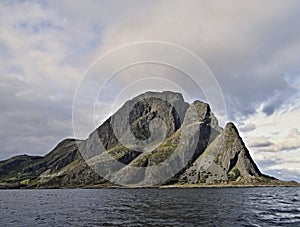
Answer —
62 167
153 139
225 159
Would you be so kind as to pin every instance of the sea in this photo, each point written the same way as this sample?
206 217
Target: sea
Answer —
253 206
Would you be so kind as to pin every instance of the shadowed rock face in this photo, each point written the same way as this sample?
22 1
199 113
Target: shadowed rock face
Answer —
131 146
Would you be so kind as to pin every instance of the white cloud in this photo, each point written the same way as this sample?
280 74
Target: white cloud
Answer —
275 143
259 142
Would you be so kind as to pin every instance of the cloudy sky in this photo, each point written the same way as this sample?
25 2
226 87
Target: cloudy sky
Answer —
252 48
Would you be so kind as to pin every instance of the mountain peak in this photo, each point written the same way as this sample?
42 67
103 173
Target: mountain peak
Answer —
230 126
165 95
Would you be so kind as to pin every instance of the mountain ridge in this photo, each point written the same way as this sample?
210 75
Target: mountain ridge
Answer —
163 141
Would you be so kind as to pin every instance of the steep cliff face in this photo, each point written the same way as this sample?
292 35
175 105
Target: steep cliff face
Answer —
153 139
130 125
225 159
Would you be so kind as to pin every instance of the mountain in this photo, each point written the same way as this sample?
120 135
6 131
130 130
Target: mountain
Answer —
154 139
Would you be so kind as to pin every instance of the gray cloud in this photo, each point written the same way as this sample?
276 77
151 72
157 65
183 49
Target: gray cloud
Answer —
249 56
264 144
280 101
284 174
259 142
269 109
281 147
267 162
33 126
247 128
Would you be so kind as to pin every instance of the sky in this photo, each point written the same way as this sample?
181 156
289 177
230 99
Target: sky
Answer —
252 48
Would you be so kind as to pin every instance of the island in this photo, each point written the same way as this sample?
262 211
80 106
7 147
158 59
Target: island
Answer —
156 139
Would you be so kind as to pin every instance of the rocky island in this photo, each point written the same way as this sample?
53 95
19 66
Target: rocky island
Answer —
200 153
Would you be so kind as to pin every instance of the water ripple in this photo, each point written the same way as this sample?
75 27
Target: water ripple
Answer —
151 207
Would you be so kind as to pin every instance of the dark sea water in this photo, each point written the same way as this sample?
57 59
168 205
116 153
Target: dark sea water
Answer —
151 207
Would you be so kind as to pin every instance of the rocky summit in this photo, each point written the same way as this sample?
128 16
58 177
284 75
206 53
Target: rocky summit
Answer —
155 139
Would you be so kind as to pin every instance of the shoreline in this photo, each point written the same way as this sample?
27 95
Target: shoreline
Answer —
175 186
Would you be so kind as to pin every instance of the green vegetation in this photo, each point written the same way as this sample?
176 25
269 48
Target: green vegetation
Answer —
234 174
25 182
